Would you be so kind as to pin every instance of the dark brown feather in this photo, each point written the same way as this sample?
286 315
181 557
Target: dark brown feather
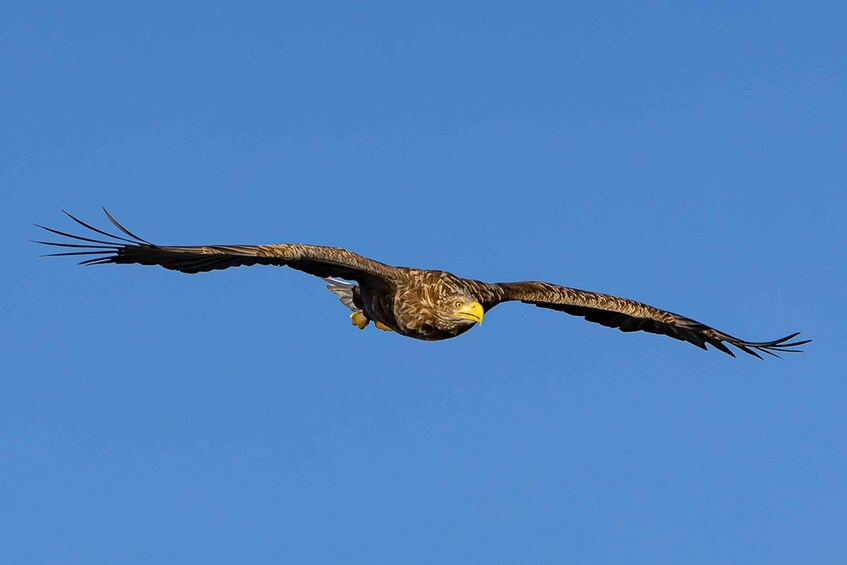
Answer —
629 315
313 259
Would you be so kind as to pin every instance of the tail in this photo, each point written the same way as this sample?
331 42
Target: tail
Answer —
343 290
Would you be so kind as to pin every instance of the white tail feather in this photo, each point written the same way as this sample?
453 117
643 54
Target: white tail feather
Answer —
343 290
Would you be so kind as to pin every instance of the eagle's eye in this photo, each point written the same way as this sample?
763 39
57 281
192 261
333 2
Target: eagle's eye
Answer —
458 304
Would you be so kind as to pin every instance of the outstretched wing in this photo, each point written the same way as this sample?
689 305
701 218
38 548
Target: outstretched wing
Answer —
129 248
630 316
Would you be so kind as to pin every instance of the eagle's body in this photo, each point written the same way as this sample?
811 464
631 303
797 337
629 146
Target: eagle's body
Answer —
390 304
418 303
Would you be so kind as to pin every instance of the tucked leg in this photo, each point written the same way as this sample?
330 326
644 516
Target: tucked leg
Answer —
359 320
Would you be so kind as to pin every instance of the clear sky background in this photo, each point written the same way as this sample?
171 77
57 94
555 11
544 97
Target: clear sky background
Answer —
689 155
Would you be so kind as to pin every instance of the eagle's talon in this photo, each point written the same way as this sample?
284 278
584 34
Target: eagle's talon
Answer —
359 320
383 327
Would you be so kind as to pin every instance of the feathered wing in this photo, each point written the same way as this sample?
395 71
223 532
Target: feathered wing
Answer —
129 248
629 316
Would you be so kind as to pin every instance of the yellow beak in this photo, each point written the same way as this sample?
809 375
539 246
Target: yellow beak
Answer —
472 312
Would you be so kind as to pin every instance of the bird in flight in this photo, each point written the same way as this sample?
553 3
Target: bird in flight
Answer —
419 303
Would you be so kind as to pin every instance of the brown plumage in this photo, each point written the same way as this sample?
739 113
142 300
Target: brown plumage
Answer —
422 304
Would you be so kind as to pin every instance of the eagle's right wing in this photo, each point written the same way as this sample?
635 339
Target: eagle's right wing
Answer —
316 260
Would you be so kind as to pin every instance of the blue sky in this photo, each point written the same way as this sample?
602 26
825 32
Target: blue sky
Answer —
687 155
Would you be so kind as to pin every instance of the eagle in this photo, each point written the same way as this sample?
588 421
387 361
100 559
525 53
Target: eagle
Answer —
418 303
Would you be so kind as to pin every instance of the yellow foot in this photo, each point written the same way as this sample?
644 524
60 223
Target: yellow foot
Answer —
359 319
383 327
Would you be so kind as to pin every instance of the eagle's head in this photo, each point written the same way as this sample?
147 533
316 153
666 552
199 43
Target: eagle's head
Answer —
437 305
452 314
463 309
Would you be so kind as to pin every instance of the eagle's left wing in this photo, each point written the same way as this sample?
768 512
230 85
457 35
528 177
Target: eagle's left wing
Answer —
629 316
